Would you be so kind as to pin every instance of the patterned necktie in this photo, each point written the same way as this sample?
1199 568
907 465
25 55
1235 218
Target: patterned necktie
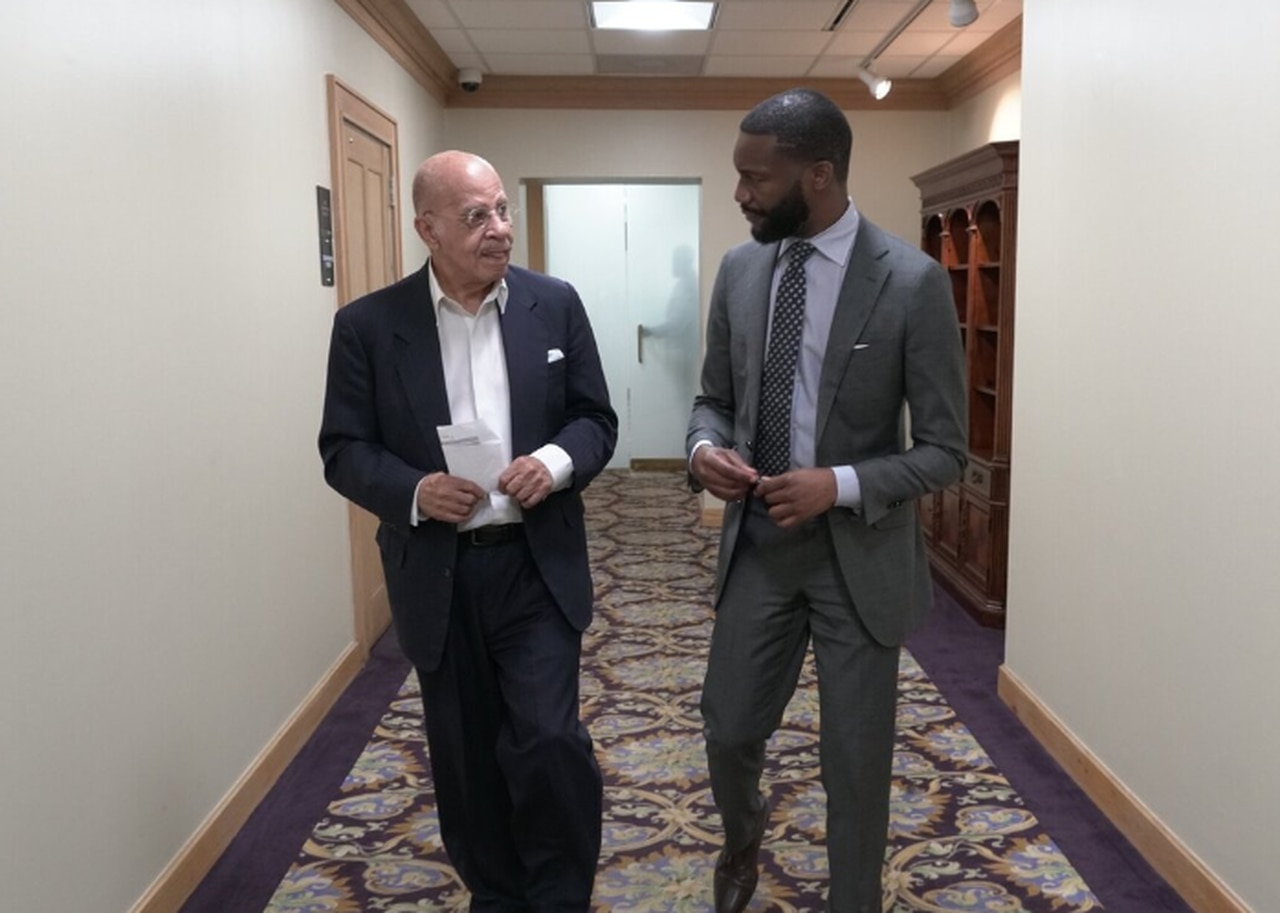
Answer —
773 436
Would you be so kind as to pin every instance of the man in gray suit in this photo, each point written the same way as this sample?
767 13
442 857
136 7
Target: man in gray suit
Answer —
819 334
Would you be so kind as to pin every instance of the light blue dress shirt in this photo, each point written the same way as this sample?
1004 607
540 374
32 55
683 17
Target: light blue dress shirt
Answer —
824 274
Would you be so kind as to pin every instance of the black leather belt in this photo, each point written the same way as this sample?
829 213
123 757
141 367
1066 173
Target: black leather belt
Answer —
483 536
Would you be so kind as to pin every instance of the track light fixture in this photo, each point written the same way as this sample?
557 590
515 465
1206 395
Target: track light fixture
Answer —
963 12
878 85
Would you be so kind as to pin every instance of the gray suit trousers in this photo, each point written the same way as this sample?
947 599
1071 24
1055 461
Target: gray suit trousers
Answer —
783 590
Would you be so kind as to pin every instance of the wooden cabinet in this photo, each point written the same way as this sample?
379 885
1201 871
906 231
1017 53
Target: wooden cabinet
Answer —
969 209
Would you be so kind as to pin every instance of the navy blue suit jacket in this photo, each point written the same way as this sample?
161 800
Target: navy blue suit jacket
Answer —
384 399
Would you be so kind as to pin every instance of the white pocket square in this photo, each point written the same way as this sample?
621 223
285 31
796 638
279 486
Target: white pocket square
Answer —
554 355
860 345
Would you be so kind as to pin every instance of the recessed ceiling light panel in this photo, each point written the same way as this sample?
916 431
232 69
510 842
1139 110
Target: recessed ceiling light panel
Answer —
653 15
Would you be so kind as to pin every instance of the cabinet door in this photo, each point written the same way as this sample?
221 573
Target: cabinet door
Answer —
927 509
948 524
976 560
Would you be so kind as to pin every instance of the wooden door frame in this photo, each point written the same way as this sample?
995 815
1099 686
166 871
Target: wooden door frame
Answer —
346 106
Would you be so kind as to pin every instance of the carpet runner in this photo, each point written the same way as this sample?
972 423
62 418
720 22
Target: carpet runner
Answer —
960 837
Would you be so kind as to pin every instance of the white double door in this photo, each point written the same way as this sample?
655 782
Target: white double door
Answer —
631 251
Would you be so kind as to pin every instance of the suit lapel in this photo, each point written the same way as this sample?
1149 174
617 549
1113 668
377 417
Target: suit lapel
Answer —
863 282
758 279
525 345
418 363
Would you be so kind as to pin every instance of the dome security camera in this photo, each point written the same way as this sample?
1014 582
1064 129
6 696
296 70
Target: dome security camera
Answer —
469 78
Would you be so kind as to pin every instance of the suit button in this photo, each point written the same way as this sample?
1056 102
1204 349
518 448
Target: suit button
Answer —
448 572
895 504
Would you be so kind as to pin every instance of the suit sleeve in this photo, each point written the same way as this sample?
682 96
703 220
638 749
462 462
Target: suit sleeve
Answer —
933 374
712 418
356 462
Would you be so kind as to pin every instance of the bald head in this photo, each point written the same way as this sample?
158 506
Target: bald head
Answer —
442 172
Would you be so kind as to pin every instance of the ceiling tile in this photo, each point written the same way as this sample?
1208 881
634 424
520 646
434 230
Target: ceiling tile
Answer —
530 41
452 40
520 14
875 16
777 44
965 42
649 64
999 14
461 59
937 18
923 44
732 65
434 14
542 64
859 43
897 67
771 17
828 67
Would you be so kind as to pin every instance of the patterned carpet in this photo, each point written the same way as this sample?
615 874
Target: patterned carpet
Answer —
960 837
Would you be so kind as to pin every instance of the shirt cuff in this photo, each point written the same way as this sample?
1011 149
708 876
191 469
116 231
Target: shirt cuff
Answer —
558 463
414 519
696 447
848 488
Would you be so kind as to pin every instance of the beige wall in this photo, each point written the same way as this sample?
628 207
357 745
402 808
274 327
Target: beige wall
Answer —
995 114
887 149
1145 558
173 572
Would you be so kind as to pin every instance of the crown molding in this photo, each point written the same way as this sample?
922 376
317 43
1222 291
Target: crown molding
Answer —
395 27
997 57
402 35
681 93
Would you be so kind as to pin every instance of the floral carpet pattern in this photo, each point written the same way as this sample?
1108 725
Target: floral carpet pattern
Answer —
960 837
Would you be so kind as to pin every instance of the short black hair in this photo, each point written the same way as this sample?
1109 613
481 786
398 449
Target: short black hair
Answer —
809 124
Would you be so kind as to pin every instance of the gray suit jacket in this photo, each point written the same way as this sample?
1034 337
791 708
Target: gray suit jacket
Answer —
894 342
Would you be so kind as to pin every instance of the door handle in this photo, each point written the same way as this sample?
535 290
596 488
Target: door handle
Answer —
640 343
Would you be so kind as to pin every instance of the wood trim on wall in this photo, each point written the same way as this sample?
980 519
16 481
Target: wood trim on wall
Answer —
535 228
402 35
993 60
659 464
712 513
1194 881
197 857
682 93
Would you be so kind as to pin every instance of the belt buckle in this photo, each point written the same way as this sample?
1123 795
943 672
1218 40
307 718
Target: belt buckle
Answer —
483 536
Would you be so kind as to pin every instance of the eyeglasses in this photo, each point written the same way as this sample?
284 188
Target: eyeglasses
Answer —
477 217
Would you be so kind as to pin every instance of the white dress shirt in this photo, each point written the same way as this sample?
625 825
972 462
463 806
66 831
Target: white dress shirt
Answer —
475 379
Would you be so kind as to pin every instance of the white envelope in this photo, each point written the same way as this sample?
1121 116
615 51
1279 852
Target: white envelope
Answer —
473 451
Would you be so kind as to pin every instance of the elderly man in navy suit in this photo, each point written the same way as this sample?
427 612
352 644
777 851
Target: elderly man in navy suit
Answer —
490 589
823 332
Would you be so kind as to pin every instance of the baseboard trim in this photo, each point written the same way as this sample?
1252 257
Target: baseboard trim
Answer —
1194 881
185 871
712 517
659 464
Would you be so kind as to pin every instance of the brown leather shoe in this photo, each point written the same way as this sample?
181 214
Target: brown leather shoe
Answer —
737 874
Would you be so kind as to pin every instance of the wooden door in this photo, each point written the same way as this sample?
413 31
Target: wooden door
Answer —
367 234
